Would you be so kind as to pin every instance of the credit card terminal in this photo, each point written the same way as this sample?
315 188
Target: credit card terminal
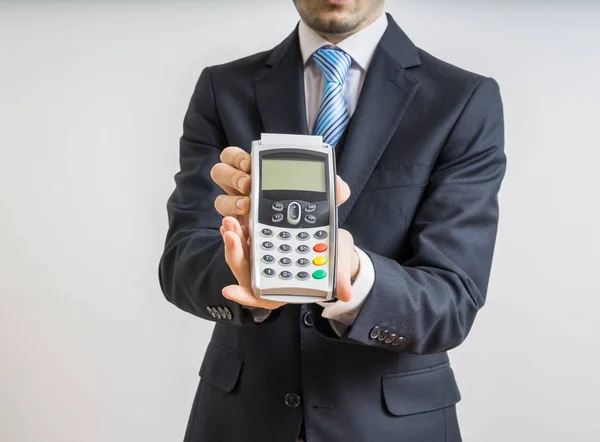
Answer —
293 219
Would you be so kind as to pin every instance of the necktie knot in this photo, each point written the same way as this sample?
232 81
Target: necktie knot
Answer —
333 63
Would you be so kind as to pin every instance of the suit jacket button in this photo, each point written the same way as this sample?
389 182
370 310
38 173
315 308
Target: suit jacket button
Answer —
383 335
375 332
400 340
307 319
217 314
391 338
210 311
292 400
228 314
222 312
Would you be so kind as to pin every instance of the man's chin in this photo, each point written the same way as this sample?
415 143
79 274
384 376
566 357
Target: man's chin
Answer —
333 24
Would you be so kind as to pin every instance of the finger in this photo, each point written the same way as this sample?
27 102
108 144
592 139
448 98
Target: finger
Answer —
343 289
235 259
343 191
344 268
232 180
233 225
244 296
236 157
229 205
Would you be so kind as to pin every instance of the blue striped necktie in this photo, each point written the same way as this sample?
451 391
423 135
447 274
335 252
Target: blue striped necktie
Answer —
333 115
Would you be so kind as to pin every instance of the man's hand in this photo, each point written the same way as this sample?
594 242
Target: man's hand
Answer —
233 176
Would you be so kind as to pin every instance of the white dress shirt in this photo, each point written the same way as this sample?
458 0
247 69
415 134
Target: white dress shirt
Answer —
360 47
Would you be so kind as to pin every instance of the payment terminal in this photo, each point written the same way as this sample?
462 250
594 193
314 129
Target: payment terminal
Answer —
293 219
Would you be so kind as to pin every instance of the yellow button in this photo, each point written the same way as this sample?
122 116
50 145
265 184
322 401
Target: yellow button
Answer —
319 261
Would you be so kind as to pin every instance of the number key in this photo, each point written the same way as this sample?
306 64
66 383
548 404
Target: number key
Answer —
285 248
284 235
302 262
269 259
303 249
268 272
302 236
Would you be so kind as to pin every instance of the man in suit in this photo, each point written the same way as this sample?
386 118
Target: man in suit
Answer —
419 146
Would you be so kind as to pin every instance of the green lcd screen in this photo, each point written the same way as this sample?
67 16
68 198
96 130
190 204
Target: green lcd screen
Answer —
293 174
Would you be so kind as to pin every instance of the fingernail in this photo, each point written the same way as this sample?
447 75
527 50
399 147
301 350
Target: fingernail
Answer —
241 182
239 204
244 165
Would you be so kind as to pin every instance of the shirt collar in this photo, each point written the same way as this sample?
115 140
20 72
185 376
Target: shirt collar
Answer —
360 46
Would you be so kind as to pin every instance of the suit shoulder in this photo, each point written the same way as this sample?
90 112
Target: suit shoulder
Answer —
249 64
444 75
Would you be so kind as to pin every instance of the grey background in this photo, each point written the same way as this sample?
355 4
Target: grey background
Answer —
92 97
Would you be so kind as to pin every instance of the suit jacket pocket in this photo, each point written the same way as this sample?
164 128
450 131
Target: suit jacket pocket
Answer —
420 391
221 367
399 175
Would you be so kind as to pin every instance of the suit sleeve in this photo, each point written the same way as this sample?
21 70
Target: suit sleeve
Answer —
192 269
428 303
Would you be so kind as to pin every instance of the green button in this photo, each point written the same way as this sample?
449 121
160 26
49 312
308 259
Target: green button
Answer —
319 274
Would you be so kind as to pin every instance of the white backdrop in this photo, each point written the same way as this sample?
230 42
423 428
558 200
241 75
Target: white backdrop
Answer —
92 98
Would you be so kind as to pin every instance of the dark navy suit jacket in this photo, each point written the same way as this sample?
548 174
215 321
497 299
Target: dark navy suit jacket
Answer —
424 158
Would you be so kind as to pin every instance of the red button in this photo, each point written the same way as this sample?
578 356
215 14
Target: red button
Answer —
319 248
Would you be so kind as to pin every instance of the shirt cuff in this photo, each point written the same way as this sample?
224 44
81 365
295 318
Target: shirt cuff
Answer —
341 315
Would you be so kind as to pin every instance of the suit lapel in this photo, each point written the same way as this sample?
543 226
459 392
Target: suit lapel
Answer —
280 90
385 97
